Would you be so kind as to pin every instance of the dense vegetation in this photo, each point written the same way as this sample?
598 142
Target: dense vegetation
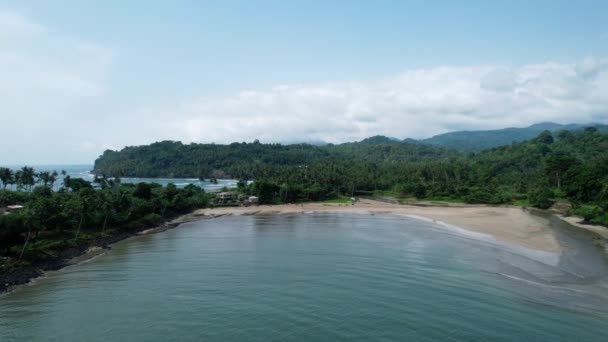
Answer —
52 221
250 160
567 165
241 160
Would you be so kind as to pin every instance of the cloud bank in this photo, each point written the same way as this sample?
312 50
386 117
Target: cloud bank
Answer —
47 79
416 103
57 103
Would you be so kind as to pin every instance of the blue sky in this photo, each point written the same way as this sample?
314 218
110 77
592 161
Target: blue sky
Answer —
290 70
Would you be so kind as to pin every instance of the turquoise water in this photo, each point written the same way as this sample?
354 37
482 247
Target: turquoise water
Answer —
317 277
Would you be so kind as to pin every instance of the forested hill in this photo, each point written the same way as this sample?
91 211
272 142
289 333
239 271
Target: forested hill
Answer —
252 160
568 165
481 140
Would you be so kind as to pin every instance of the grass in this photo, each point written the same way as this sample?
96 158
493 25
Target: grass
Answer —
390 193
443 199
340 200
432 200
522 203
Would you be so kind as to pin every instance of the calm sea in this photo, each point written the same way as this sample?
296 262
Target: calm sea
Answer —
84 172
317 277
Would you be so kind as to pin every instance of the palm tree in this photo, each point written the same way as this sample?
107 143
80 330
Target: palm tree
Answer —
6 176
44 177
19 179
53 178
67 182
27 177
85 199
66 179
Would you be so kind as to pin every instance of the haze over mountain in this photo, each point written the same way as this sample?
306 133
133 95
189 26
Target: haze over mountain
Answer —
481 140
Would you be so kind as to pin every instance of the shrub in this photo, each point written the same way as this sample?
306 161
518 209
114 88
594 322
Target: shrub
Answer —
541 198
588 212
477 196
151 219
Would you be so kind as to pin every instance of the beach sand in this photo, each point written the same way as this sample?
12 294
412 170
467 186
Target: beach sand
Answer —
509 225
578 222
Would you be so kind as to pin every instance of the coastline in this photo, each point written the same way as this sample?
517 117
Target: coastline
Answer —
505 224
86 250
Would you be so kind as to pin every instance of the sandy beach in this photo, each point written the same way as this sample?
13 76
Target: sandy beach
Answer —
510 225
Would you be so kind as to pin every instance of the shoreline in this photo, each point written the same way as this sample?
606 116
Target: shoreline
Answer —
505 224
86 250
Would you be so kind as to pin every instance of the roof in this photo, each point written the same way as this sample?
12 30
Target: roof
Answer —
12 207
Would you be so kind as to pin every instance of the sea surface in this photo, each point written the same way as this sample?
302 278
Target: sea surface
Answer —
84 172
318 277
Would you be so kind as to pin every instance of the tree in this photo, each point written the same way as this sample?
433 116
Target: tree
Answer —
76 184
557 165
53 178
566 136
80 205
541 198
43 209
67 181
27 177
545 138
143 191
6 176
19 179
11 227
44 177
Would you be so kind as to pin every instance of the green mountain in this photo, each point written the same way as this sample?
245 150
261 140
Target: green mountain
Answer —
251 160
481 140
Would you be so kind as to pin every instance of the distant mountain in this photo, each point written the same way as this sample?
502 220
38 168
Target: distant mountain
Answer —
481 140
379 139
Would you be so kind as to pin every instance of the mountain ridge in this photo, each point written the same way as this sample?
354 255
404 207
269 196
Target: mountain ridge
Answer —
479 140
475 140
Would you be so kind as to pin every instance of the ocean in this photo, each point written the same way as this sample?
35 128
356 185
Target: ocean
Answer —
84 172
317 277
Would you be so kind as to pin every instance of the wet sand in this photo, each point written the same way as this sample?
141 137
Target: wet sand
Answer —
509 225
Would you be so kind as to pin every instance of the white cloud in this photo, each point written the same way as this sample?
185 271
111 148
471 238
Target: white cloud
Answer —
14 23
57 103
37 63
46 79
415 103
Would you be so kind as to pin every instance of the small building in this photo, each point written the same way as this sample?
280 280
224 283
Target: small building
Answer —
226 195
10 208
253 200
226 198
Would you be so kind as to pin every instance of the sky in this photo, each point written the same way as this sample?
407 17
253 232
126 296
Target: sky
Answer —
80 77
